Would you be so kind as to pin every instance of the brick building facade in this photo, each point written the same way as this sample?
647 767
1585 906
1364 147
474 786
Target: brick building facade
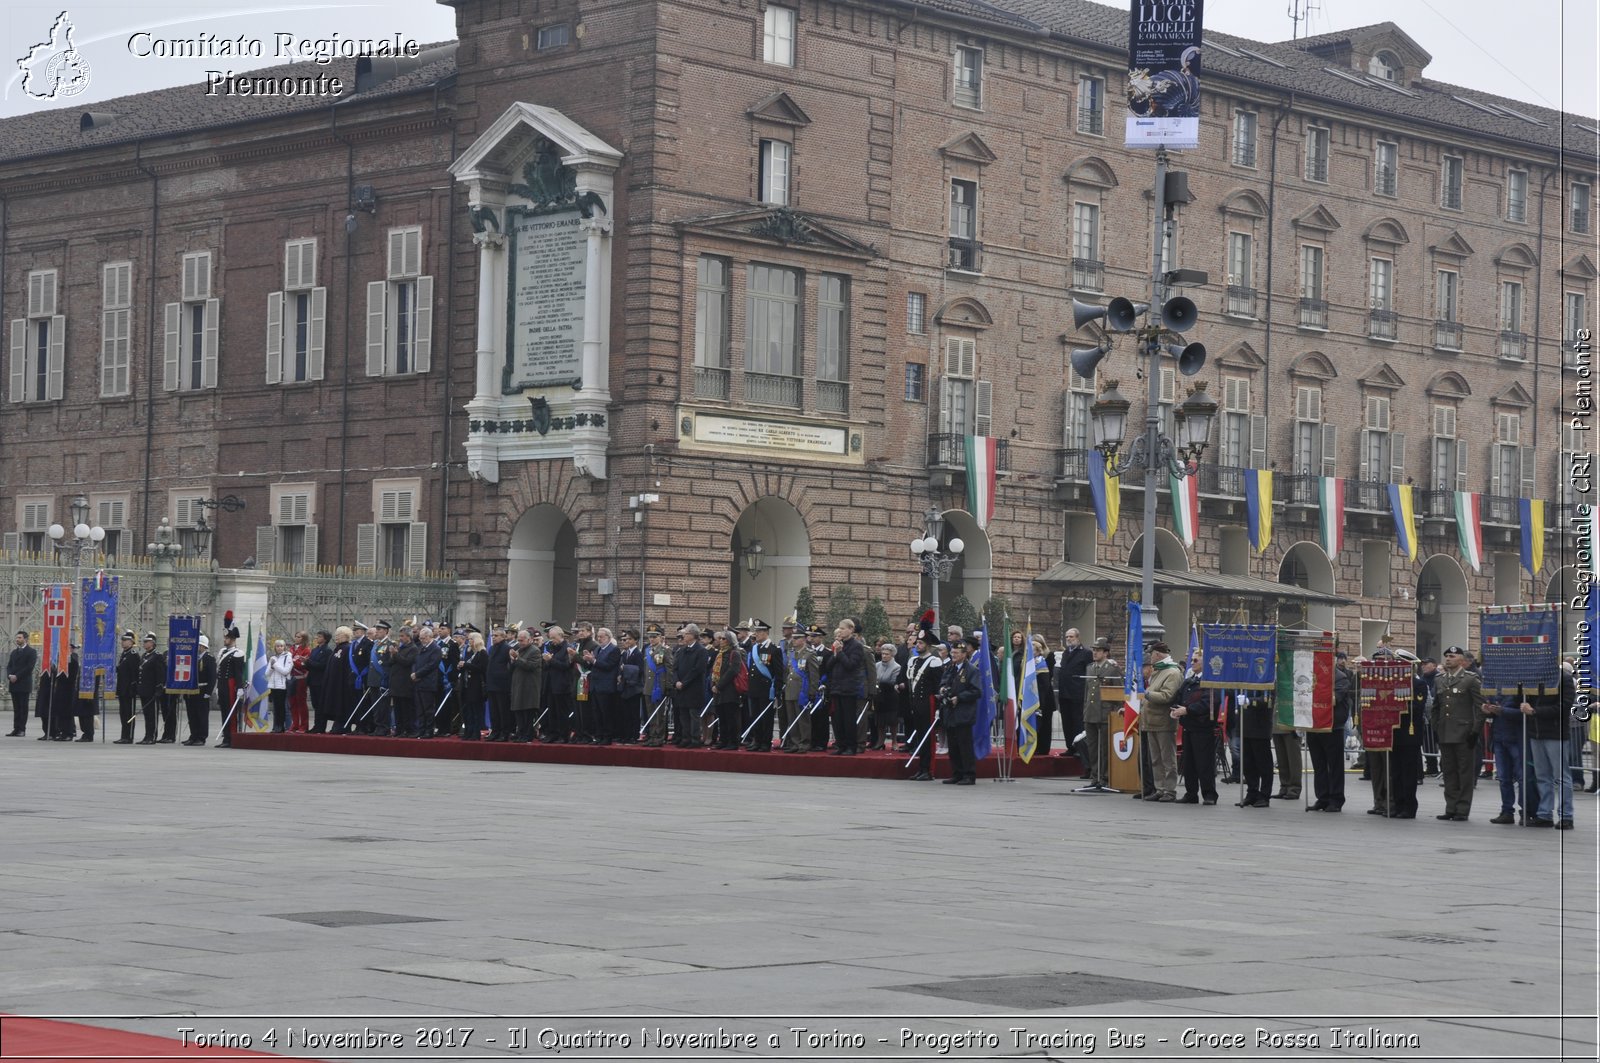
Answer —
835 239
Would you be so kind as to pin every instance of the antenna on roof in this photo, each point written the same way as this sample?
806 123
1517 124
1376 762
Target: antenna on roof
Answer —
1296 15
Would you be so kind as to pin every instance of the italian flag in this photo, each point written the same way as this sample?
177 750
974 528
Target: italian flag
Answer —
1330 514
982 453
1469 527
1305 681
1185 506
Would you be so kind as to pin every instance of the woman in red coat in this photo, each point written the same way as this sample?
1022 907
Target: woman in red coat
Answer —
298 712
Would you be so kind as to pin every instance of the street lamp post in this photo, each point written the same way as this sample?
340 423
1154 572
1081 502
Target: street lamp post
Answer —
86 539
163 552
936 564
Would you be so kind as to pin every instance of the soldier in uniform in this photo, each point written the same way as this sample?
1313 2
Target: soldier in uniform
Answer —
657 686
630 690
764 659
822 661
1458 714
688 687
127 687
959 709
230 681
358 720
379 709
19 678
1101 670
924 671
1402 765
198 704
152 688
799 680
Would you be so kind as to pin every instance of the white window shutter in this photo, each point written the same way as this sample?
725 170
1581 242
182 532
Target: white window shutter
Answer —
1461 465
1258 441
366 546
1530 474
422 348
1366 471
58 357
1169 385
266 545
19 359
208 352
11 543
1330 450
412 261
396 252
1494 469
310 546
417 548
377 291
1397 457
274 337
983 409
169 376
1066 417
316 333
946 391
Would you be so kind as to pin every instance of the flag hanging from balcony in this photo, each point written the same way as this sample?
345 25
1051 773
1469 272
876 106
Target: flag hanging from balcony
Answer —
1469 527
1330 515
1531 510
1106 491
1405 519
982 453
1185 506
1258 507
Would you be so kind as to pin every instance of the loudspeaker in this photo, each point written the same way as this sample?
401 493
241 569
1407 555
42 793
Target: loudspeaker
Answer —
1083 313
1191 357
1178 313
1084 359
1122 315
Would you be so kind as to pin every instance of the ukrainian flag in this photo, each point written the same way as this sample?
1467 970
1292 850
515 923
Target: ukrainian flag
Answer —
1405 519
1258 507
1532 514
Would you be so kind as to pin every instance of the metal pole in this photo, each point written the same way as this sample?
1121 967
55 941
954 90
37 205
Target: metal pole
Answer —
1152 414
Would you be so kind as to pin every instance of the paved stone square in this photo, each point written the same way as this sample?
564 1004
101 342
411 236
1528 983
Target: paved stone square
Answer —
174 882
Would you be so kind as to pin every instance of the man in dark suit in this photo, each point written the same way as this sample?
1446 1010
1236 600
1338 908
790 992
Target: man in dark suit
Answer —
958 709
425 681
605 667
688 684
630 689
822 663
1071 665
19 677
127 688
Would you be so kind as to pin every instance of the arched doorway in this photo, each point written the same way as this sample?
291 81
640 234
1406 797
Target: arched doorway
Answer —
542 569
1171 606
973 573
1563 588
771 561
1305 565
1442 612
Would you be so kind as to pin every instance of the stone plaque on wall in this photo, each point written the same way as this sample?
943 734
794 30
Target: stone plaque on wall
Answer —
544 299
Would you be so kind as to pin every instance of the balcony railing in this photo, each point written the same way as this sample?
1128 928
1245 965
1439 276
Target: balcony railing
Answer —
949 451
1383 324
770 390
1435 504
1511 344
1073 465
1240 302
965 255
1501 509
1296 488
1385 181
833 396
711 383
1224 480
1091 120
1447 335
1314 313
1368 495
1088 274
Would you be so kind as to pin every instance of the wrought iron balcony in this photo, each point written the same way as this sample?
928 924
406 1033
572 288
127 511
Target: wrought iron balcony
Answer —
1385 181
1226 481
1369 495
1501 509
1088 274
947 450
1447 335
1314 313
1296 488
771 390
1240 301
965 255
833 396
711 383
1512 344
1073 465
1383 324
1092 120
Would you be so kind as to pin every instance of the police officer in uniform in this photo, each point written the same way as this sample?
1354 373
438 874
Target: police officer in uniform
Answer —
127 687
152 688
657 686
230 680
198 704
764 659
1458 716
795 697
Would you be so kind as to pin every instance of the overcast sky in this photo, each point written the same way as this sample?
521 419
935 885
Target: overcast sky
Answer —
1540 51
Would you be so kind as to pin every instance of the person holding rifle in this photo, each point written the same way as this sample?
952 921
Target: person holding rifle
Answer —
230 681
152 687
923 674
127 688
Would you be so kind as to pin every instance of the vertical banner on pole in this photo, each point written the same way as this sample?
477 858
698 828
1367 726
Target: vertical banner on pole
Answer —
56 652
99 654
1163 74
183 654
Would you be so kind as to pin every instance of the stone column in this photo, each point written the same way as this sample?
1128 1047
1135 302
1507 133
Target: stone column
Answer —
248 593
472 603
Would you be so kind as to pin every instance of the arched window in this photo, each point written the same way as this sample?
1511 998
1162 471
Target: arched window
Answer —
1384 65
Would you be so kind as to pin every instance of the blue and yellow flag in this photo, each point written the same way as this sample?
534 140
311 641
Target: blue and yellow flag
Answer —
1405 519
1531 510
1028 714
982 737
1258 507
1106 491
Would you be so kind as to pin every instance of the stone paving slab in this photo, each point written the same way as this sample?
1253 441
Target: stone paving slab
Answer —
562 889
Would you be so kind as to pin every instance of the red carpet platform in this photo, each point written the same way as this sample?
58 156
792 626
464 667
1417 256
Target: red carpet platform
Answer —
24 1038
861 766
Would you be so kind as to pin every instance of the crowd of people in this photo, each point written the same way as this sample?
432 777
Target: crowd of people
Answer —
809 690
